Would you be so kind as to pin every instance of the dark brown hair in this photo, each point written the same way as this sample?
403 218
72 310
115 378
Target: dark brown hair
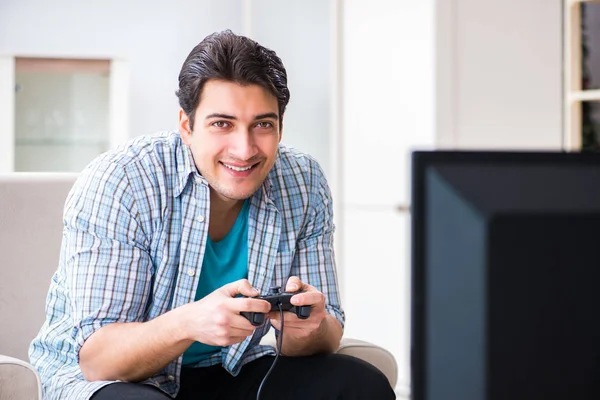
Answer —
227 56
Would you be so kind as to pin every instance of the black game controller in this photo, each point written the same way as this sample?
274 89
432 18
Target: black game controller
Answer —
276 297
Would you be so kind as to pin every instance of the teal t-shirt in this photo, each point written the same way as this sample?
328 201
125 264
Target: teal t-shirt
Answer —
224 262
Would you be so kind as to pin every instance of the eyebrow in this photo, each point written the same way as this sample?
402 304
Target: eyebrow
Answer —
225 116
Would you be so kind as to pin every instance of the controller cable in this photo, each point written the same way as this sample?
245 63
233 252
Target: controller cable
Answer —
278 352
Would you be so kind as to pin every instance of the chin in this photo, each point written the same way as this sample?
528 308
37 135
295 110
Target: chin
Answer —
238 195
236 190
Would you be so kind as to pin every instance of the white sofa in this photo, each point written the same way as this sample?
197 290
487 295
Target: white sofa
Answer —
31 208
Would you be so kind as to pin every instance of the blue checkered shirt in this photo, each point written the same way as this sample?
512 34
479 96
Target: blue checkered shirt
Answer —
135 230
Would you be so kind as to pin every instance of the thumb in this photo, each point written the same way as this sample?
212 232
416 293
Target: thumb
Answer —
242 287
294 284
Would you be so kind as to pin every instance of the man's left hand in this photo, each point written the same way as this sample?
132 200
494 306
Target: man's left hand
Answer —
310 296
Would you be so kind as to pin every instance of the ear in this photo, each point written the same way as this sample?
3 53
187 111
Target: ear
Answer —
184 127
280 128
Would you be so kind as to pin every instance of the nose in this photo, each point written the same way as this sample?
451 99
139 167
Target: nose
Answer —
243 147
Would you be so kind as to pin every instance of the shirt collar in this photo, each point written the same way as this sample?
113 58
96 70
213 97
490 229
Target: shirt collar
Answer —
186 168
267 185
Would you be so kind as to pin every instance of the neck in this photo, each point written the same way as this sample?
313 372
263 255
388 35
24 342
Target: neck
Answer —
221 206
223 213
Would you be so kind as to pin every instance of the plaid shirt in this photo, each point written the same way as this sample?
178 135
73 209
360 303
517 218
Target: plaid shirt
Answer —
135 231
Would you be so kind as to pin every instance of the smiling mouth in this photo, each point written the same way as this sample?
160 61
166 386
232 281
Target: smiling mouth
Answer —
239 169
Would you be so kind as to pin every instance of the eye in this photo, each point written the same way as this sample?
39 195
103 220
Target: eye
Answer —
220 124
264 125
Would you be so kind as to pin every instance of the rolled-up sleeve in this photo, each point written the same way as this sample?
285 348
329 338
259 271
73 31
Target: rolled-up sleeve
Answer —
108 268
314 260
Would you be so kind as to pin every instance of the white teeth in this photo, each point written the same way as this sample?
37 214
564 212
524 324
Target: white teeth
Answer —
239 169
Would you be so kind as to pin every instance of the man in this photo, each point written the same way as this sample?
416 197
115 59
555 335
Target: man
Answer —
168 238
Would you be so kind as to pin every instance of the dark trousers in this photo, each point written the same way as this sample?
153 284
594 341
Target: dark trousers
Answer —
333 376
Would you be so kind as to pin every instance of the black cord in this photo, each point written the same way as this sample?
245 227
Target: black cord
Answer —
278 351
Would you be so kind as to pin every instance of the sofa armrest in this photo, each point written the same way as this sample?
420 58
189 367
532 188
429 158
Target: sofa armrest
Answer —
375 355
18 380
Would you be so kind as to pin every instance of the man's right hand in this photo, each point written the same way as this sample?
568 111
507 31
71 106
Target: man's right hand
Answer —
215 320
114 351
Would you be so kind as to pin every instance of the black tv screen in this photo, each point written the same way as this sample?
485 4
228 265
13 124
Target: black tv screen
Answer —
505 276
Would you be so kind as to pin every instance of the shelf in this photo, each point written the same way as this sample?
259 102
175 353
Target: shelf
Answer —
574 96
573 2
61 141
584 95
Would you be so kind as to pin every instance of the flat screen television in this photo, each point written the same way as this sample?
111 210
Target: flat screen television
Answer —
505 276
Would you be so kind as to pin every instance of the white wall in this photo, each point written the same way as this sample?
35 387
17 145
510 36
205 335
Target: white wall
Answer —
299 32
452 73
499 74
388 109
154 35
7 111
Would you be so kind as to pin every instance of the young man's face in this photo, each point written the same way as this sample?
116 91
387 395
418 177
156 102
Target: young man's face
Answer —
235 137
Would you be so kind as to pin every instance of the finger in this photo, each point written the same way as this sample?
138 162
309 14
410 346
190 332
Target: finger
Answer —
289 325
308 299
274 315
241 286
249 304
287 316
242 324
276 325
294 284
246 329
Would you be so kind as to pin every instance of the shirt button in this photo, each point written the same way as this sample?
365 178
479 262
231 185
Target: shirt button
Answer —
171 378
157 384
191 272
200 218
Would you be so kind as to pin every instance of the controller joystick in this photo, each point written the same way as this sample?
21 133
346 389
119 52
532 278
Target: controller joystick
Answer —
273 290
275 297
